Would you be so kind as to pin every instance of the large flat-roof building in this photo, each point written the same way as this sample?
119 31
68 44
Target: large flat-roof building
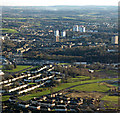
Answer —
81 28
63 33
75 28
56 33
114 40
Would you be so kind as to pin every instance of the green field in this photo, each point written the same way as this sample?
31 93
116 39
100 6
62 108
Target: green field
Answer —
92 87
110 98
81 15
49 18
111 102
64 86
17 18
18 68
7 30
63 64
30 96
1 66
108 71
5 98
69 18
111 72
33 68
32 83
78 78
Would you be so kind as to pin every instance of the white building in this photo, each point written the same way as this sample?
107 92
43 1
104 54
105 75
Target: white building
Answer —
75 28
56 33
81 28
1 73
3 38
114 40
63 33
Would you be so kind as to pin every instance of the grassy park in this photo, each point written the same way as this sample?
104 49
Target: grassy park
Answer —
30 96
78 78
18 68
92 87
5 98
7 30
111 102
68 85
110 98
1 66
69 18
64 64
114 72
16 18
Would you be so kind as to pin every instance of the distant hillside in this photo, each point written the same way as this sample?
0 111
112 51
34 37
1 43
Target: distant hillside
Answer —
63 7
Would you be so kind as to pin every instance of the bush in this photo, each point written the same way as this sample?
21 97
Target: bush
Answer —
8 67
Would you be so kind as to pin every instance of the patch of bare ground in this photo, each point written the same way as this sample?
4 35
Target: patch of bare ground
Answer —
86 94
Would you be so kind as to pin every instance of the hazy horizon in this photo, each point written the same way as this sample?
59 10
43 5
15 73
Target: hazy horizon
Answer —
61 5
58 3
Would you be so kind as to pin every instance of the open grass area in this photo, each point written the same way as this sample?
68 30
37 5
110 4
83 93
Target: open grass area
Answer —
66 85
5 98
114 72
81 15
18 68
81 77
1 66
63 64
38 94
7 30
49 18
110 102
17 18
110 98
69 18
32 83
33 68
111 72
78 78
58 88
92 87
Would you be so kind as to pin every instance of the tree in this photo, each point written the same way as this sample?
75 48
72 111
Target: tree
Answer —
14 64
8 67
